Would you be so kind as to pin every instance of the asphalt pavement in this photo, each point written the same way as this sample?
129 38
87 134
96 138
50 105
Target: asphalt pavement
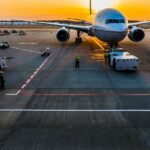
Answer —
49 104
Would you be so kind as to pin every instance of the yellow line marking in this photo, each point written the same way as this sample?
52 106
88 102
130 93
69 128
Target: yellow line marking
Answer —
98 44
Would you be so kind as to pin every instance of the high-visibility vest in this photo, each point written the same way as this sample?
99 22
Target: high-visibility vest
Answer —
78 58
106 54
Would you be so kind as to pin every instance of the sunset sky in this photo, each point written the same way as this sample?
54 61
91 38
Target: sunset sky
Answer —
62 9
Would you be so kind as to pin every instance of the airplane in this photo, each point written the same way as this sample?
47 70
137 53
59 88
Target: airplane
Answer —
109 26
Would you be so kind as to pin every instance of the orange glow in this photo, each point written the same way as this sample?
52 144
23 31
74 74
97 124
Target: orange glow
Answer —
54 9
138 10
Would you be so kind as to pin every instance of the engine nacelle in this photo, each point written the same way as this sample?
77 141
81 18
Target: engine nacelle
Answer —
136 34
63 35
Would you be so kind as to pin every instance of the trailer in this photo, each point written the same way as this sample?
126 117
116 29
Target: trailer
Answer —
119 59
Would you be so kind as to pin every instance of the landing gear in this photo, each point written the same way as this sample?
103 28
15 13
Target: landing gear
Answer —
113 45
78 38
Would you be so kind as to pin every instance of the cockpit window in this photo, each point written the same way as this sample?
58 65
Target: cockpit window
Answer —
108 21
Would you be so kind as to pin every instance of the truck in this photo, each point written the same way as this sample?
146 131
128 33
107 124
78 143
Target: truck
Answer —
119 59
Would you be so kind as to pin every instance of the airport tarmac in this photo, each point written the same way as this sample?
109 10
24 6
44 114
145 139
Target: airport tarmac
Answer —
48 104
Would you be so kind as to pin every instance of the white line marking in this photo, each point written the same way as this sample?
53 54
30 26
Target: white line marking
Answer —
18 92
23 86
27 43
11 94
74 110
26 50
35 72
28 80
32 76
137 94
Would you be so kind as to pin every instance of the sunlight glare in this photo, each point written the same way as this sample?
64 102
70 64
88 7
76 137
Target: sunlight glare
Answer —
101 4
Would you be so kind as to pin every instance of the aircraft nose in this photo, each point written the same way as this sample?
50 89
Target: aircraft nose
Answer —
120 28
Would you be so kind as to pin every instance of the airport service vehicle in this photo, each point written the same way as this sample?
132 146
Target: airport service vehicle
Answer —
46 52
119 59
6 32
4 45
109 26
21 33
14 31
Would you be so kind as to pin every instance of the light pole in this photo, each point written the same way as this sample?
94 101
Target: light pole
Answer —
90 7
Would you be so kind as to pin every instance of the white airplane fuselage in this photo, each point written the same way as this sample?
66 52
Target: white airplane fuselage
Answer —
110 26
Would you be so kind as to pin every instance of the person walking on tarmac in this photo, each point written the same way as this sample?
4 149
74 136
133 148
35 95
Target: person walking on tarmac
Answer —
77 61
2 80
106 56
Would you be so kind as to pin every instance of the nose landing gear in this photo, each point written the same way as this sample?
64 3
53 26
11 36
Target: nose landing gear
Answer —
113 45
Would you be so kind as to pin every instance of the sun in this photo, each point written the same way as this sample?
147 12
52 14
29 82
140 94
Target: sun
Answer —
101 4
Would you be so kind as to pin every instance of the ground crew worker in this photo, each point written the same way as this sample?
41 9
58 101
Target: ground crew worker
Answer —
77 61
108 58
106 54
3 62
2 80
0 63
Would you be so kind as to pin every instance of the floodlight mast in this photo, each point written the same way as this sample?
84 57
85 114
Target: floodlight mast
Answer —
90 1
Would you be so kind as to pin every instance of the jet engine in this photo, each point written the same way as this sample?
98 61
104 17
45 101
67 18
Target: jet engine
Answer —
136 34
63 35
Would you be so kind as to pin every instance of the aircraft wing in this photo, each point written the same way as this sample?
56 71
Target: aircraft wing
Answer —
69 26
138 23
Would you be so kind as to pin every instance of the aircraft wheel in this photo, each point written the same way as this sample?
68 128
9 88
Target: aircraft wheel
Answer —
80 40
76 40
